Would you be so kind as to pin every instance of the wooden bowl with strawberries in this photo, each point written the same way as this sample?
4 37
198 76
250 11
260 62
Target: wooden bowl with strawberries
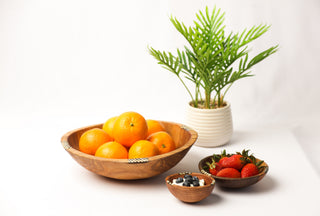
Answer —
237 170
130 169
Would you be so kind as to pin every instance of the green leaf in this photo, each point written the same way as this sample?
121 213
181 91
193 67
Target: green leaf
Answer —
261 56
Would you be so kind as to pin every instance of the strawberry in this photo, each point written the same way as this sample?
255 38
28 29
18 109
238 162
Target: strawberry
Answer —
222 157
236 161
214 170
214 167
229 172
221 161
251 169
248 170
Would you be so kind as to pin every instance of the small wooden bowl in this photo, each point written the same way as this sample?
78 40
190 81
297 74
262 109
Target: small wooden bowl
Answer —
190 194
129 169
232 182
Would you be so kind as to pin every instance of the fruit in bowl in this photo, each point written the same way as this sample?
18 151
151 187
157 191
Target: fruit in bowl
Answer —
128 135
126 152
234 170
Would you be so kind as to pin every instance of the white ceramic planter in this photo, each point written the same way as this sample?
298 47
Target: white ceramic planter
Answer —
214 126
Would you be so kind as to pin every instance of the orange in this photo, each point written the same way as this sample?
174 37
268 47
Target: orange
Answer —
154 126
108 125
112 150
91 140
143 149
163 141
129 127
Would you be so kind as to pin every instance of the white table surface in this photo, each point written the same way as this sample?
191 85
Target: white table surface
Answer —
40 178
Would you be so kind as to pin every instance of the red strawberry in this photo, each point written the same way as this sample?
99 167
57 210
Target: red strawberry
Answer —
214 167
229 172
248 170
214 171
221 161
252 168
235 161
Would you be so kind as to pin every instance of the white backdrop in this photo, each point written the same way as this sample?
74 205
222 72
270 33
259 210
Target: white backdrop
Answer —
84 61
66 64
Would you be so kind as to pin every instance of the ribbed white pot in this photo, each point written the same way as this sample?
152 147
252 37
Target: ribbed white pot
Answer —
214 126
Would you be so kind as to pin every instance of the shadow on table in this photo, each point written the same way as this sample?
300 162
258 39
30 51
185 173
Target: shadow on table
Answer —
153 182
267 184
212 199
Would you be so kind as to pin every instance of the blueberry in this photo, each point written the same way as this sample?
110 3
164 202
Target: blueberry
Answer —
195 183
179 180
195 178
188 180
187 184
186 176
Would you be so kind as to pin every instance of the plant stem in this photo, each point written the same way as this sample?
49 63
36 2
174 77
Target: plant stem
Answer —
187 89
201 98
196 95
208 98
214 101
227 89
219 99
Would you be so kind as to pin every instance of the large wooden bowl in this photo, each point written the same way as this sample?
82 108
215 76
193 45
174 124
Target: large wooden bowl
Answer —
233 182
129 169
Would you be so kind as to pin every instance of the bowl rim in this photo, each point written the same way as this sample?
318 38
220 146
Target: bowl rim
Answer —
65 143
190 188
263 172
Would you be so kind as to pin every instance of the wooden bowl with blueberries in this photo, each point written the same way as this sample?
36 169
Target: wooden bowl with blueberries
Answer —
237 170
190 187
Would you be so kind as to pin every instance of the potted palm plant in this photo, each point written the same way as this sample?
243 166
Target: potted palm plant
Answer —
212 61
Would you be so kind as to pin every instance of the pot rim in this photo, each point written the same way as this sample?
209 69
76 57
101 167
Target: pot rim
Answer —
228 105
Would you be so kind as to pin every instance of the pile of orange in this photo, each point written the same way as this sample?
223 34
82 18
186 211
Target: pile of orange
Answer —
128 135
